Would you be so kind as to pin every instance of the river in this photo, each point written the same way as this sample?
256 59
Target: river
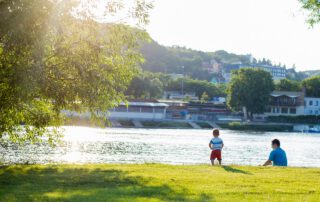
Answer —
169 146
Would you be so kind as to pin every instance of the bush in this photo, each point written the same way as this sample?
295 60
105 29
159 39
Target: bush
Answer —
308 119
235 124
253 127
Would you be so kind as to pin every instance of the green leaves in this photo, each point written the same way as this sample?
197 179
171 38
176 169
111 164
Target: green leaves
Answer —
146 85
287 85
312 86
249 88
55 55
313 6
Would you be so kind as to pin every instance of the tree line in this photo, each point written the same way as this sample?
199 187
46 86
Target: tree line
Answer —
149 85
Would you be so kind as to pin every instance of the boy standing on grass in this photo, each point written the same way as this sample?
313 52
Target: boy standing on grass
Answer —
216 145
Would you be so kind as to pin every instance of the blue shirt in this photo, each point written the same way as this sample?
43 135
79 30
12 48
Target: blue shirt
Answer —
278 157
216 143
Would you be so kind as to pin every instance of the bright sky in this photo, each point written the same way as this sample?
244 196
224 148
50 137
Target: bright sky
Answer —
273 29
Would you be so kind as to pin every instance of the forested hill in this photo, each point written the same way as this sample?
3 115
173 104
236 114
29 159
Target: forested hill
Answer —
171 60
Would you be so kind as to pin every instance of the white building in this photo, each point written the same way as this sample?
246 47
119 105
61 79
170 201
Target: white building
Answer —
311 106
276 72
177 95
292 104
285 103
139 110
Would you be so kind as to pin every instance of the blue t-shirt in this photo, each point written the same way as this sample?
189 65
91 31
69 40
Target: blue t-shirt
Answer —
278 157
216 143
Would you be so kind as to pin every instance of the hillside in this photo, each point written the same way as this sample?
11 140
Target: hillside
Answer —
181 60
171 60
194 63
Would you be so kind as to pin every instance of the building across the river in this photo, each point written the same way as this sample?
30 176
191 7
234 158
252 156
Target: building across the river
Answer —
179 95
276 72
206 111
285 103
312 106
290 103
139 110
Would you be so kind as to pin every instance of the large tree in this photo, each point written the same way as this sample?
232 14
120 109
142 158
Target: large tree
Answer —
58 55
196 86
312 86
287 85
145 85
249 88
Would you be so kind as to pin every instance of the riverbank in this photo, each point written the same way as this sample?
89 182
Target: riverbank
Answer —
261 127
185 124
155 182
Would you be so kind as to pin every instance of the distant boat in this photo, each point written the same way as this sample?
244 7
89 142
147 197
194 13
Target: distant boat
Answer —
313 130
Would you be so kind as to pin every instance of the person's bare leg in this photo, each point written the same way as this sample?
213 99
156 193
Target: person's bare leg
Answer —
212 162
219 162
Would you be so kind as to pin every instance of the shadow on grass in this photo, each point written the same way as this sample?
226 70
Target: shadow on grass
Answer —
235 170
80 184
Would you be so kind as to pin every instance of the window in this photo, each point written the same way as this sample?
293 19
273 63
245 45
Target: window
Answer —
317 103
293 111
310 103
146 109
134 109
121 109
159 110
310 111
316 111
284 110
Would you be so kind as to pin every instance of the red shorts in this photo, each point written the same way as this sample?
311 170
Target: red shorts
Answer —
215 154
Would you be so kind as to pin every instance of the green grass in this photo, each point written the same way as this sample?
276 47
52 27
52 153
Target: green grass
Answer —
154 182
165 124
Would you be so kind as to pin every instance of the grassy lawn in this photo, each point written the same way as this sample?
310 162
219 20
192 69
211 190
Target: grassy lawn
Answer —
154 182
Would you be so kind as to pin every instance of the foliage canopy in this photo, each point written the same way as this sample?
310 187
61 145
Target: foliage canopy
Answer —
56 55
313 6
249 88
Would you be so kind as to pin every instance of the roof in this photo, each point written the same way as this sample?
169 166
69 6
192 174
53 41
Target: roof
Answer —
146 104
292 94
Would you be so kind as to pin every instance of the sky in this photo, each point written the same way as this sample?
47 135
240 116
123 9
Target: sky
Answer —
274 29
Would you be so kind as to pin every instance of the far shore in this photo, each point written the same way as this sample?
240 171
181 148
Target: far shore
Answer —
186 124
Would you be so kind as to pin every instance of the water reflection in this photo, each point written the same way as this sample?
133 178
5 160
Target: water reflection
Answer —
92 145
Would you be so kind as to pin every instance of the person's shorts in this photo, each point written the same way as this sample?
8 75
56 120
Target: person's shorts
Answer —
215 154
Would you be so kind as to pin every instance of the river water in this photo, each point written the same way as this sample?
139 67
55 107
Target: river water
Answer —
169 146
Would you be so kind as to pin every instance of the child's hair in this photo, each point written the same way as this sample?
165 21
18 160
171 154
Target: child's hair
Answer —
215 132
276 142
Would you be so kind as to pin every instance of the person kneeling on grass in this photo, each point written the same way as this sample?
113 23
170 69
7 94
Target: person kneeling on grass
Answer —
216 145
277 156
